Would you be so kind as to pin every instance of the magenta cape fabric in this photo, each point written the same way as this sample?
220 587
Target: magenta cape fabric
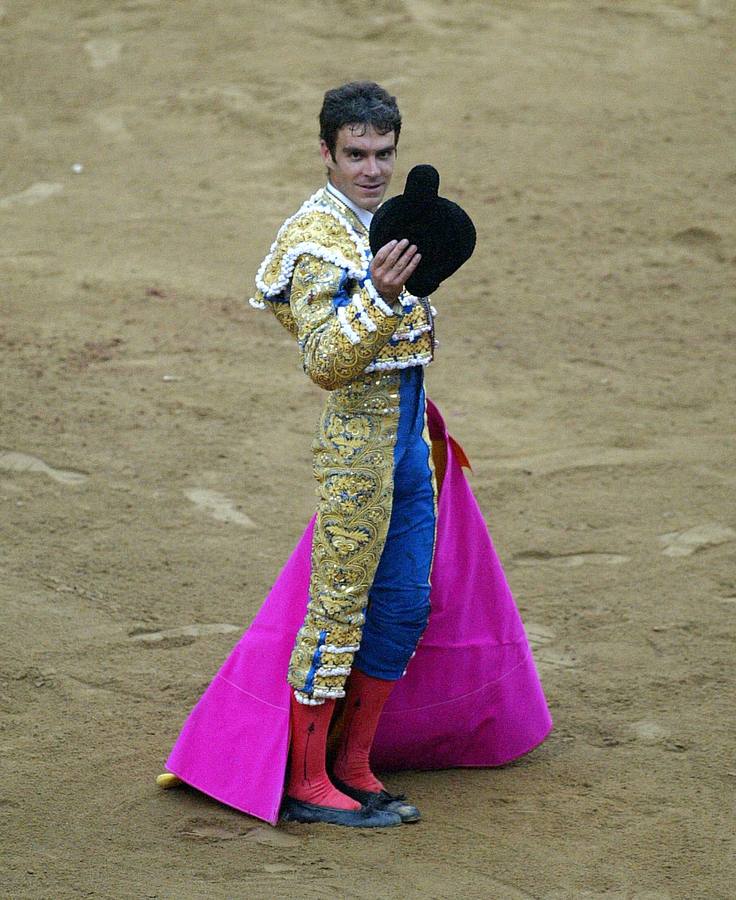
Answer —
471 695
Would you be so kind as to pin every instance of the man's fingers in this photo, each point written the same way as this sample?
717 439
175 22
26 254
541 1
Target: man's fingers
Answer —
412 264
399 267
398 259
403 272
410 255
392 266
395 254
381 255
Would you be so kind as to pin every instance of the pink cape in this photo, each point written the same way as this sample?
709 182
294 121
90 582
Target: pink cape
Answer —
471 695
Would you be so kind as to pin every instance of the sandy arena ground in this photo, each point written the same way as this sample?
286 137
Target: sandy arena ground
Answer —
154 444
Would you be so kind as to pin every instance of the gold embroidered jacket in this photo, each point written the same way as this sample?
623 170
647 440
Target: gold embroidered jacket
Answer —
316 280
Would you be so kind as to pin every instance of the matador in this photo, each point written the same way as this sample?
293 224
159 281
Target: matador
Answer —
367 591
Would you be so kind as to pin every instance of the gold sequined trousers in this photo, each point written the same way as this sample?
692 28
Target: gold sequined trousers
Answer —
353 465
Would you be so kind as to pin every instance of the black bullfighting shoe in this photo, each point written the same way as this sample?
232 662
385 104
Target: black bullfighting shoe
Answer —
395 803
366 817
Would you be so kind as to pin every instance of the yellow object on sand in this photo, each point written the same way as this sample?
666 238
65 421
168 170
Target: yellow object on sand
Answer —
166 780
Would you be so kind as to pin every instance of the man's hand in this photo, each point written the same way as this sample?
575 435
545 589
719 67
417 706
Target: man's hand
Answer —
391 268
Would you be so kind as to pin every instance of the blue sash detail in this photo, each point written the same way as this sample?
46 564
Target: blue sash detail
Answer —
341 297
316 663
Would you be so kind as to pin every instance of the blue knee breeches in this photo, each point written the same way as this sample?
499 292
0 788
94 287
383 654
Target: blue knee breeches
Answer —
398 600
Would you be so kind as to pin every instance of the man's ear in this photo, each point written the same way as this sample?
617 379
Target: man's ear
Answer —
324 152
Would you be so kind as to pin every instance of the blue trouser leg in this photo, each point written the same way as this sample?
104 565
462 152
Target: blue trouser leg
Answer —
398 606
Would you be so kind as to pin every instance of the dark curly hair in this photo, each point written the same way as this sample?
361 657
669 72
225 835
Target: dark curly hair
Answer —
358 103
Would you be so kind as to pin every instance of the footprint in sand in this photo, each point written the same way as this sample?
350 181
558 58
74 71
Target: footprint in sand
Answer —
272 837
713 9
212 832
554 461
181 631
649 731
278 868
539 635
36 193
219 507
539 638
22 462
111 123
722 477
685 543
556 659
103 52
700 239
568 560
652 733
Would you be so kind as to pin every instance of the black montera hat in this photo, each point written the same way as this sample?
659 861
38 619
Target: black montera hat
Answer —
441 230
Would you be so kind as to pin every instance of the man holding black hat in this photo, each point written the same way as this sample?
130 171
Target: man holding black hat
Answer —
365 338
366 341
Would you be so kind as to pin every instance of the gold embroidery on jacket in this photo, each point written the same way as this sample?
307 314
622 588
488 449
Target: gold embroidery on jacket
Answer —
330 357
334 240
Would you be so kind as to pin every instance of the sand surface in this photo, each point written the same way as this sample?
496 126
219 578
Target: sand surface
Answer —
154 442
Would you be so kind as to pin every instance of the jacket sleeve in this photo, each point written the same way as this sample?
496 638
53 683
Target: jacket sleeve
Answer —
339 333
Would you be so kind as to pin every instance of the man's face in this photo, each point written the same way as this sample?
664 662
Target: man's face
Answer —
363 164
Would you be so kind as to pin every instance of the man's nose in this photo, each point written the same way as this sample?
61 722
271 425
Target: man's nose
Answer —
371 166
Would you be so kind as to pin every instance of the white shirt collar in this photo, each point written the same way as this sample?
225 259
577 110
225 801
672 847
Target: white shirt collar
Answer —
364 215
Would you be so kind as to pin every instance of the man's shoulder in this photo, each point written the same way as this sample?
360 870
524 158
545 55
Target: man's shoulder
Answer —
319 218
320 228
316 229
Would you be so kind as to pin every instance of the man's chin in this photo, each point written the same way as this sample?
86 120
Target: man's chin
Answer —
371 200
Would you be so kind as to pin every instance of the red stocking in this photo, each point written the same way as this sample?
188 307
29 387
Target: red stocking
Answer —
363 704
308 779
